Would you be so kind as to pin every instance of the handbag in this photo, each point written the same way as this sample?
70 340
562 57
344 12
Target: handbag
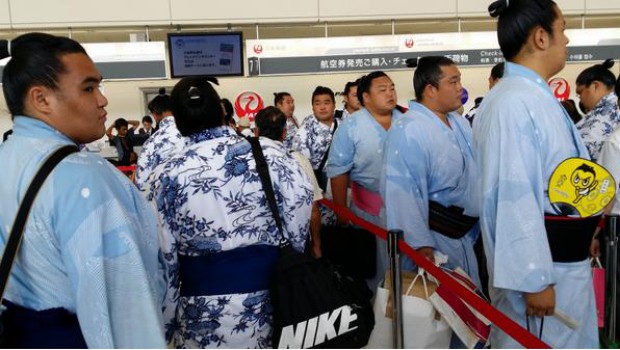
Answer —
7 318
598 280
314 306
467 323
425 328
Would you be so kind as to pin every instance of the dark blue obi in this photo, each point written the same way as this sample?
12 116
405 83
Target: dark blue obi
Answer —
237 271
47 329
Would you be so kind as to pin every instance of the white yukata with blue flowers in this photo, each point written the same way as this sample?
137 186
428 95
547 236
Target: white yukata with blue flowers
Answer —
599 123
357 149
210 200
91 243
521 134
291 130
312 139
156 149
425 160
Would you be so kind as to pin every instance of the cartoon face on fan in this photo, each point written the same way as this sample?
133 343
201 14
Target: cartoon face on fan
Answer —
579 187
584 181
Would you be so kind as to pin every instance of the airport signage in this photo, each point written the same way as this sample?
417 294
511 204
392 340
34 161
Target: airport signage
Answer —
390 52
125 61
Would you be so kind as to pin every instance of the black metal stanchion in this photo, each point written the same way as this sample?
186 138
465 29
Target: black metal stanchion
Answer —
611 265
397 319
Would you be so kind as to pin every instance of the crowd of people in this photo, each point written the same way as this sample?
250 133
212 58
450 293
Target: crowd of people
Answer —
182 256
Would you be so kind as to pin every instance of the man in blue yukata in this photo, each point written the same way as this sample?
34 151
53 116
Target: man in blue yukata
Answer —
88 273
522 133
356 157
430 171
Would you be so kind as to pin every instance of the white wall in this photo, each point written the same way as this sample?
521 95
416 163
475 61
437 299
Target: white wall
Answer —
125 98
76 13
66 13
5 19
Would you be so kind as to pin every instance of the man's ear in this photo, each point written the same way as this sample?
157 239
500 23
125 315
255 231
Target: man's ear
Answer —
430 92
541 39
366 97
38 100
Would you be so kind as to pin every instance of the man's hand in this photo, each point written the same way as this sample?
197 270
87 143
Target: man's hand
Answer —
595 248
342 222
427 252
542 303
316 250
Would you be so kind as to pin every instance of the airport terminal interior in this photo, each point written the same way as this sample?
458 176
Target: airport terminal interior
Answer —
317 174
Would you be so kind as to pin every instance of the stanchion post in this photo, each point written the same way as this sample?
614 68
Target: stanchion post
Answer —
397 305
612 270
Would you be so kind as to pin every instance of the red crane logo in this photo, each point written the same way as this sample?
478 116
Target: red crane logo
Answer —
248 103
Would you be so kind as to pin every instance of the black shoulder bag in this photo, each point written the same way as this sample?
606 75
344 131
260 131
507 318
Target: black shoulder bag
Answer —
321 177
313 305
11 335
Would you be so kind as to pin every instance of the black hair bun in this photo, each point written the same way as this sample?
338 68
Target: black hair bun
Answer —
412 62
608 63
213 80
498 7
4 49
162 91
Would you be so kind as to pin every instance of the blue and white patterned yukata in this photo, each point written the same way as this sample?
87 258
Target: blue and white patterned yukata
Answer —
599 123
210 200
312 139
291 130
157 148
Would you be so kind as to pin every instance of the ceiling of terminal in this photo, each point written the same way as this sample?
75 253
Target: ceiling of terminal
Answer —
306 30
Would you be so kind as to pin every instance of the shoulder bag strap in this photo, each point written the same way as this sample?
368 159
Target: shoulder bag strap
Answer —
263 172
17 232
324 160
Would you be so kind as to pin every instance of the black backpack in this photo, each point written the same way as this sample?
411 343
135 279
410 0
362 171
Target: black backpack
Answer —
314 306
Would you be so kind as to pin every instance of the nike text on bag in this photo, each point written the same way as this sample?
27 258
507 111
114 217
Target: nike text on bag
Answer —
314 306
318 329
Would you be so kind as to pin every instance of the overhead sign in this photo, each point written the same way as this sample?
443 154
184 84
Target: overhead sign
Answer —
389 52
120 61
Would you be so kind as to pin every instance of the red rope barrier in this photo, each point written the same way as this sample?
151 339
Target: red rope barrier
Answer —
511 328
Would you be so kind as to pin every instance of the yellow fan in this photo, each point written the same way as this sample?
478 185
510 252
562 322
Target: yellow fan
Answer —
579 187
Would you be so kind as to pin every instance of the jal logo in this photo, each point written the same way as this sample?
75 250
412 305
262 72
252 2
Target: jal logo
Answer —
247 104
560 88
409 43
258 48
